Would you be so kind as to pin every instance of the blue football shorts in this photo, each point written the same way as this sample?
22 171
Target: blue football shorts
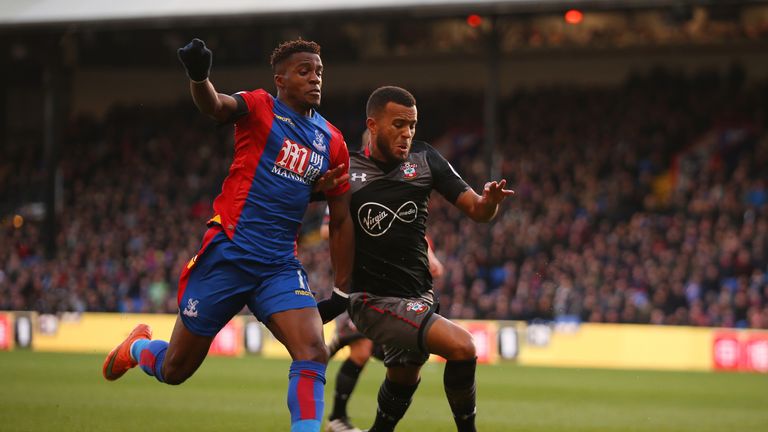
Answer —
222 278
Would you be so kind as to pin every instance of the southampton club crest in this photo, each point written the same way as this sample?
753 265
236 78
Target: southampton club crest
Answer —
409 170
417 307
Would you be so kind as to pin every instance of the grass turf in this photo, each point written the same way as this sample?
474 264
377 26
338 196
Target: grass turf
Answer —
65 392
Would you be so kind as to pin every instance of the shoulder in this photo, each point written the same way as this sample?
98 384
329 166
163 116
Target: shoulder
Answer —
333 130
421 147
357 156
337 138
258 93
422 150
252 97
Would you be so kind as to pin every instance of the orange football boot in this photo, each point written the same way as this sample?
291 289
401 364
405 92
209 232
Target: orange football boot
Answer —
119 360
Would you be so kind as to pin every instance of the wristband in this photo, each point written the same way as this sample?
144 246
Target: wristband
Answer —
341 293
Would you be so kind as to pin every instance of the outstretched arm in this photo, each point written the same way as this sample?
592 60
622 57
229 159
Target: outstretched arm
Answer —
218 106
342 245
342 240
197 60
483 208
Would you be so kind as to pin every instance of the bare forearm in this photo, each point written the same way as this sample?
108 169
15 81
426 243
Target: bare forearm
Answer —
218 106
342 245
483 208
476 207
205 97
484 211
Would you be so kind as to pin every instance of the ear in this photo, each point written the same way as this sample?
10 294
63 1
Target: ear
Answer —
279 81
370 123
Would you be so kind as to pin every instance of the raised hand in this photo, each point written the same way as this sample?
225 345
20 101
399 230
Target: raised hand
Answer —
494 192
332 178
197 60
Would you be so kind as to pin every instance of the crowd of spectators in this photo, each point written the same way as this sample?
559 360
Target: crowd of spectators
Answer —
646 203
642 205
137 190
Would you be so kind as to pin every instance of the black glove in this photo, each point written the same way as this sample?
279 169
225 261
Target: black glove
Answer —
333 306
197 59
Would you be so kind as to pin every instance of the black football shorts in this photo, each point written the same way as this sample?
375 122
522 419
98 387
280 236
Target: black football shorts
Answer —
399 324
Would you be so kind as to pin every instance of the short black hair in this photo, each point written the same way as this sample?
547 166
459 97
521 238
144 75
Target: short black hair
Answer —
384 95
286 49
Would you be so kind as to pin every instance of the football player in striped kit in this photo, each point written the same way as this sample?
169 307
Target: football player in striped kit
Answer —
283 149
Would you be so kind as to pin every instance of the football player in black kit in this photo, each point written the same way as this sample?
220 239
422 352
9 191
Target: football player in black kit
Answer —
361 349
392 301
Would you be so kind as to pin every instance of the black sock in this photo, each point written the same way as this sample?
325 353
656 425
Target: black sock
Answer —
346 380
394 400
459 381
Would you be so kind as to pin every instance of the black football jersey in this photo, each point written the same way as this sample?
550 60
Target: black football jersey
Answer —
389 210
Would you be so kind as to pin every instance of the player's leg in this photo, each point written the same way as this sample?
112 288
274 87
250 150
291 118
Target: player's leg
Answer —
170 362
455 344
175 361
286 305
336 345
210 293
400 324
209 298
346 380
341 340
301 331
395 396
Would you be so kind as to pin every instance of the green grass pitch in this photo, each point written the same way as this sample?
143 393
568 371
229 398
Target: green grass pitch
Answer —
65 392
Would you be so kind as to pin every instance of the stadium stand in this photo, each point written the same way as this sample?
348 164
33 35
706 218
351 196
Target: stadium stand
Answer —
644 203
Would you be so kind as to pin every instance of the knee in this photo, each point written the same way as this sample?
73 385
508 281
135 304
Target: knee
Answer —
361 352
316 351
173 374
320 354
463 348
175 379
404 375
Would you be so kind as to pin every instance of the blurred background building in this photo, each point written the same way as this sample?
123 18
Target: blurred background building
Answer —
633 132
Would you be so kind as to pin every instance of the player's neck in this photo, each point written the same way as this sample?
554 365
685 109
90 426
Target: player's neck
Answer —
382 162
295 107
375 155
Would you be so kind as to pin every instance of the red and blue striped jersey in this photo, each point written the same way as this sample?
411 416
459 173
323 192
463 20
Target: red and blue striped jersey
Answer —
279 154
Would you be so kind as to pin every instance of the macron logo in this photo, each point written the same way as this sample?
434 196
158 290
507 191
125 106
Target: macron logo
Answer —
285 119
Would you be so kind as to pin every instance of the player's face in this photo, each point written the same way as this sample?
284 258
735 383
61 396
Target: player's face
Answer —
394 129
299 80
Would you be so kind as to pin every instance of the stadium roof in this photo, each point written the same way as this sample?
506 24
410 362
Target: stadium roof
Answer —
22 12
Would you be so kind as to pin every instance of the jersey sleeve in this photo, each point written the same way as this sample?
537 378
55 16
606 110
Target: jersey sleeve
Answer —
445 179
250 103
339 155
242 107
